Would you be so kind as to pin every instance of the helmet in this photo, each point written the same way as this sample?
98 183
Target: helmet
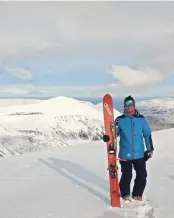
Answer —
129 101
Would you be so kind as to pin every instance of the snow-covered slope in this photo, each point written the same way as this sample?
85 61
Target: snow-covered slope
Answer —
167 103
72 182
48 123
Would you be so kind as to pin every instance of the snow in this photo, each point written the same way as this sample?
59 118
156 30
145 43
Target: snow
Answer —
167 103
72 182
59 176
48 123
160 112
57 106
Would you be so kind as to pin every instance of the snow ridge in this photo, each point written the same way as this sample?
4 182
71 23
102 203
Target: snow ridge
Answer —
49 123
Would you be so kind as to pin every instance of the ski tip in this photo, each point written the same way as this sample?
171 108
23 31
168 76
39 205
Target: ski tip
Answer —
106 138
107 95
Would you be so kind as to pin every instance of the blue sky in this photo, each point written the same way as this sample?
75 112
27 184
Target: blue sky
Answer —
85 49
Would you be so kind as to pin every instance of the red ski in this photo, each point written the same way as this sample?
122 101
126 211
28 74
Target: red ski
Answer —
111 142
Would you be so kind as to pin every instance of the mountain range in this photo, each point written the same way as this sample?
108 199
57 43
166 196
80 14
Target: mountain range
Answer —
29 125
48 123
159 112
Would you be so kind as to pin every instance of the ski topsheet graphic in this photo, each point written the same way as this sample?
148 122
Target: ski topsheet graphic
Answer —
111 142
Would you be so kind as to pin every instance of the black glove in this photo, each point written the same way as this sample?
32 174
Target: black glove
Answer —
147 155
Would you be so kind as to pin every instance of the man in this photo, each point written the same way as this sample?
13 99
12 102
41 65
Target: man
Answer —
132 127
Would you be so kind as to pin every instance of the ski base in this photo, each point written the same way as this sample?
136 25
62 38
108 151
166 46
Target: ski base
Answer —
111 143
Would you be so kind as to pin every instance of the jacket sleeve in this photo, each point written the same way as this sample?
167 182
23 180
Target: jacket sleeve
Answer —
147 135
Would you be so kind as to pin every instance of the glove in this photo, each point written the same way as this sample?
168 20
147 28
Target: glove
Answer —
147 155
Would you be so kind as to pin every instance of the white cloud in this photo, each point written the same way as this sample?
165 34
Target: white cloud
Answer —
74 29
20 73
10 91
131 77
140 33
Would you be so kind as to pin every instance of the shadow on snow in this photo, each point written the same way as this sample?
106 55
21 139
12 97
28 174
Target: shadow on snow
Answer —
79 176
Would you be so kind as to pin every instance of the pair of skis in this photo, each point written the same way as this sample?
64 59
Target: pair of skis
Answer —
111 142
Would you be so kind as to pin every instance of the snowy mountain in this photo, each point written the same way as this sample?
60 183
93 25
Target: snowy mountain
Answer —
72 182
11 102
167 103
48 123
160 112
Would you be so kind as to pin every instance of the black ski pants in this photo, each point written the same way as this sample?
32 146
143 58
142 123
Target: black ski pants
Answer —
126 177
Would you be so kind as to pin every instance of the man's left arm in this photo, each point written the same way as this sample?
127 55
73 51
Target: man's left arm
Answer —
147 136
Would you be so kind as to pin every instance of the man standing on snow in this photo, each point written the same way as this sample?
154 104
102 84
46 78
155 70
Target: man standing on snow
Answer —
132 127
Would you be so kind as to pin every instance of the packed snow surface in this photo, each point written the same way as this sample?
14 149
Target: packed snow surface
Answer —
68 182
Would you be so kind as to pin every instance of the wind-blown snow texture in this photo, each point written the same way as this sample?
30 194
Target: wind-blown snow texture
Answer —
72 182
47 123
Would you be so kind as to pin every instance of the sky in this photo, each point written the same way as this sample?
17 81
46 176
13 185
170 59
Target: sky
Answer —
86 49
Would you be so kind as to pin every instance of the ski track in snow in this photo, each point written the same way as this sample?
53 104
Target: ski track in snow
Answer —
73 182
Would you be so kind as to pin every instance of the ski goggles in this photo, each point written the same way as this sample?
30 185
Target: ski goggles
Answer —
129 103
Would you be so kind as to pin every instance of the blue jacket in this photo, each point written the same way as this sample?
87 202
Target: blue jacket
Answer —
132 130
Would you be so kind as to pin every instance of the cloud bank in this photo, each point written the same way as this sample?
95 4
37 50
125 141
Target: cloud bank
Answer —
75 29
126 34
135 77
117 91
